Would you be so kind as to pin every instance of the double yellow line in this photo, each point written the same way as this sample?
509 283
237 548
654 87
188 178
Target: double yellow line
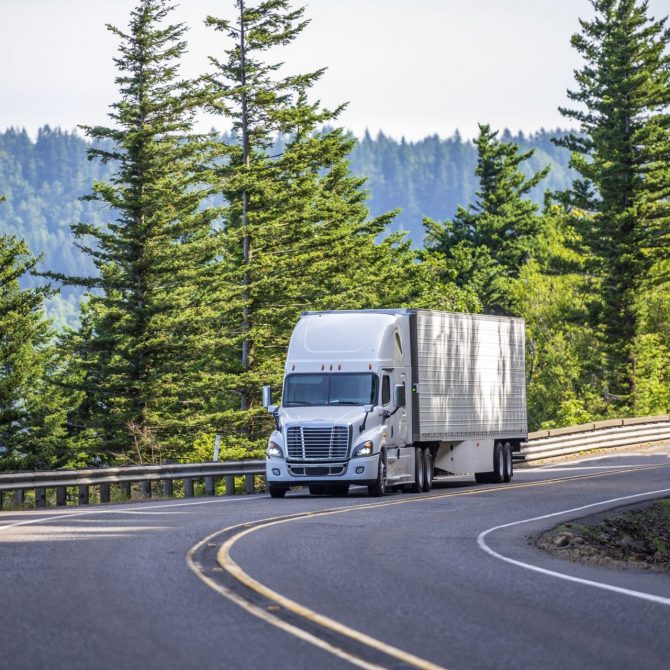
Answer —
278 601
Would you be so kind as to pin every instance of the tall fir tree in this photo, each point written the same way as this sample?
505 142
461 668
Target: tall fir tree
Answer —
485 246
31 411
621 203
297 233
144 356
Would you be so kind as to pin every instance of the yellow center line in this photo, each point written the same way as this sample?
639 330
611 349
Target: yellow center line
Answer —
229 565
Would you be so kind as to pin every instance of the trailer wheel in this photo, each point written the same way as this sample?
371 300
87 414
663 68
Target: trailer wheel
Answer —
277 491
378 489
427 470
419 471
509 462
498 474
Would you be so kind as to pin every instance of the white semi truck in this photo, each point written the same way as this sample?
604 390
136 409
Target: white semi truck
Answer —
390 397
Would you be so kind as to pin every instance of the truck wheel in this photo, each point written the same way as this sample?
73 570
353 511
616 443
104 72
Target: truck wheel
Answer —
277 491
509 461
498 474
378 489
419 471
427 470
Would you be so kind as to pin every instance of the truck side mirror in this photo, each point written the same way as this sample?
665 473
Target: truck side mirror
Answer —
267 396
399 395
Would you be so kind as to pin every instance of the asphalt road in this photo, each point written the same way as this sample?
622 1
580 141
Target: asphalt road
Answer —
423 581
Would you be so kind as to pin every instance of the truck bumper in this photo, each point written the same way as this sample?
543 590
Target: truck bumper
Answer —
356 471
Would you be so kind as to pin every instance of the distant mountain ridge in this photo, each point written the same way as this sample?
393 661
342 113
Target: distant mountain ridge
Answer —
45 179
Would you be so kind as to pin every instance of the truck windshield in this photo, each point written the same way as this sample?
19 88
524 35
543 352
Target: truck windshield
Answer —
330 389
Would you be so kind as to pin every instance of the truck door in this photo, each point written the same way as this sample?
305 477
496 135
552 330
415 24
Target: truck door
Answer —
395 423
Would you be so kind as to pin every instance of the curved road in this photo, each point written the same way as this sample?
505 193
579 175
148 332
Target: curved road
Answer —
445 579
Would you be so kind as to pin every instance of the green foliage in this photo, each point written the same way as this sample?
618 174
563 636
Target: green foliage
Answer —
623 91
140 358
31 409
200 252
652 346
563 364
488 243
433 176
203 450
297 234
46 178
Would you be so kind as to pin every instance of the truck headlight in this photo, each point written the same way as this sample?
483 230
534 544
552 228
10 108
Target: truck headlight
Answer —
364 449
274 450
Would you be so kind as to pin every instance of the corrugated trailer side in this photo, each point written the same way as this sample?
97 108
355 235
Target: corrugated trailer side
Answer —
468 376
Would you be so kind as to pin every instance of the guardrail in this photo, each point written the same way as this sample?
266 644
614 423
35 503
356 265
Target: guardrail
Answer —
124 477
597 435
541 444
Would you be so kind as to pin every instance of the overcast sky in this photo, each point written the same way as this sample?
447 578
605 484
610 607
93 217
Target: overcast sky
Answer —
408 67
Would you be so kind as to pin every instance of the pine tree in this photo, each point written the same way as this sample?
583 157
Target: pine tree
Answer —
620 205
486 245
29 421
297 234
147 343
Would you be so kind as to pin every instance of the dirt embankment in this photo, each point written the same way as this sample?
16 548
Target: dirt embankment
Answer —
637 537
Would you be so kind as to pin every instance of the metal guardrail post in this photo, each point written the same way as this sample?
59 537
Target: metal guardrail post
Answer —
19 496
188 487
125 490
83 494
230 485
61 496
40 497
146 488
168 488
249 484
105 493
209 486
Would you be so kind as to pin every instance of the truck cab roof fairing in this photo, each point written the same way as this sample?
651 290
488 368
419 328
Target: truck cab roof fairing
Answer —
358 339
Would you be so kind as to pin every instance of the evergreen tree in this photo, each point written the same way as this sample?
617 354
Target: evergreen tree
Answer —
563 360
487 244
29 413
297 233
620 205
145 351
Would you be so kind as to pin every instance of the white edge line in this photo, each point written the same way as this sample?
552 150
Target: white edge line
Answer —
578 580
117 510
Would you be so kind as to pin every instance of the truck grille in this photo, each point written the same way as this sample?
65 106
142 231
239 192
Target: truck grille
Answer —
328 442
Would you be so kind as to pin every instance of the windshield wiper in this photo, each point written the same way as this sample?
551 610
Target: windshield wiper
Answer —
296 403
343 402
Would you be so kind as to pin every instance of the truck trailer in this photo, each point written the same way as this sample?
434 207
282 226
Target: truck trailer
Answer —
393 397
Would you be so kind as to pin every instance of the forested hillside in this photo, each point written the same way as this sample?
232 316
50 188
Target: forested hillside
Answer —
434 176
45 179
